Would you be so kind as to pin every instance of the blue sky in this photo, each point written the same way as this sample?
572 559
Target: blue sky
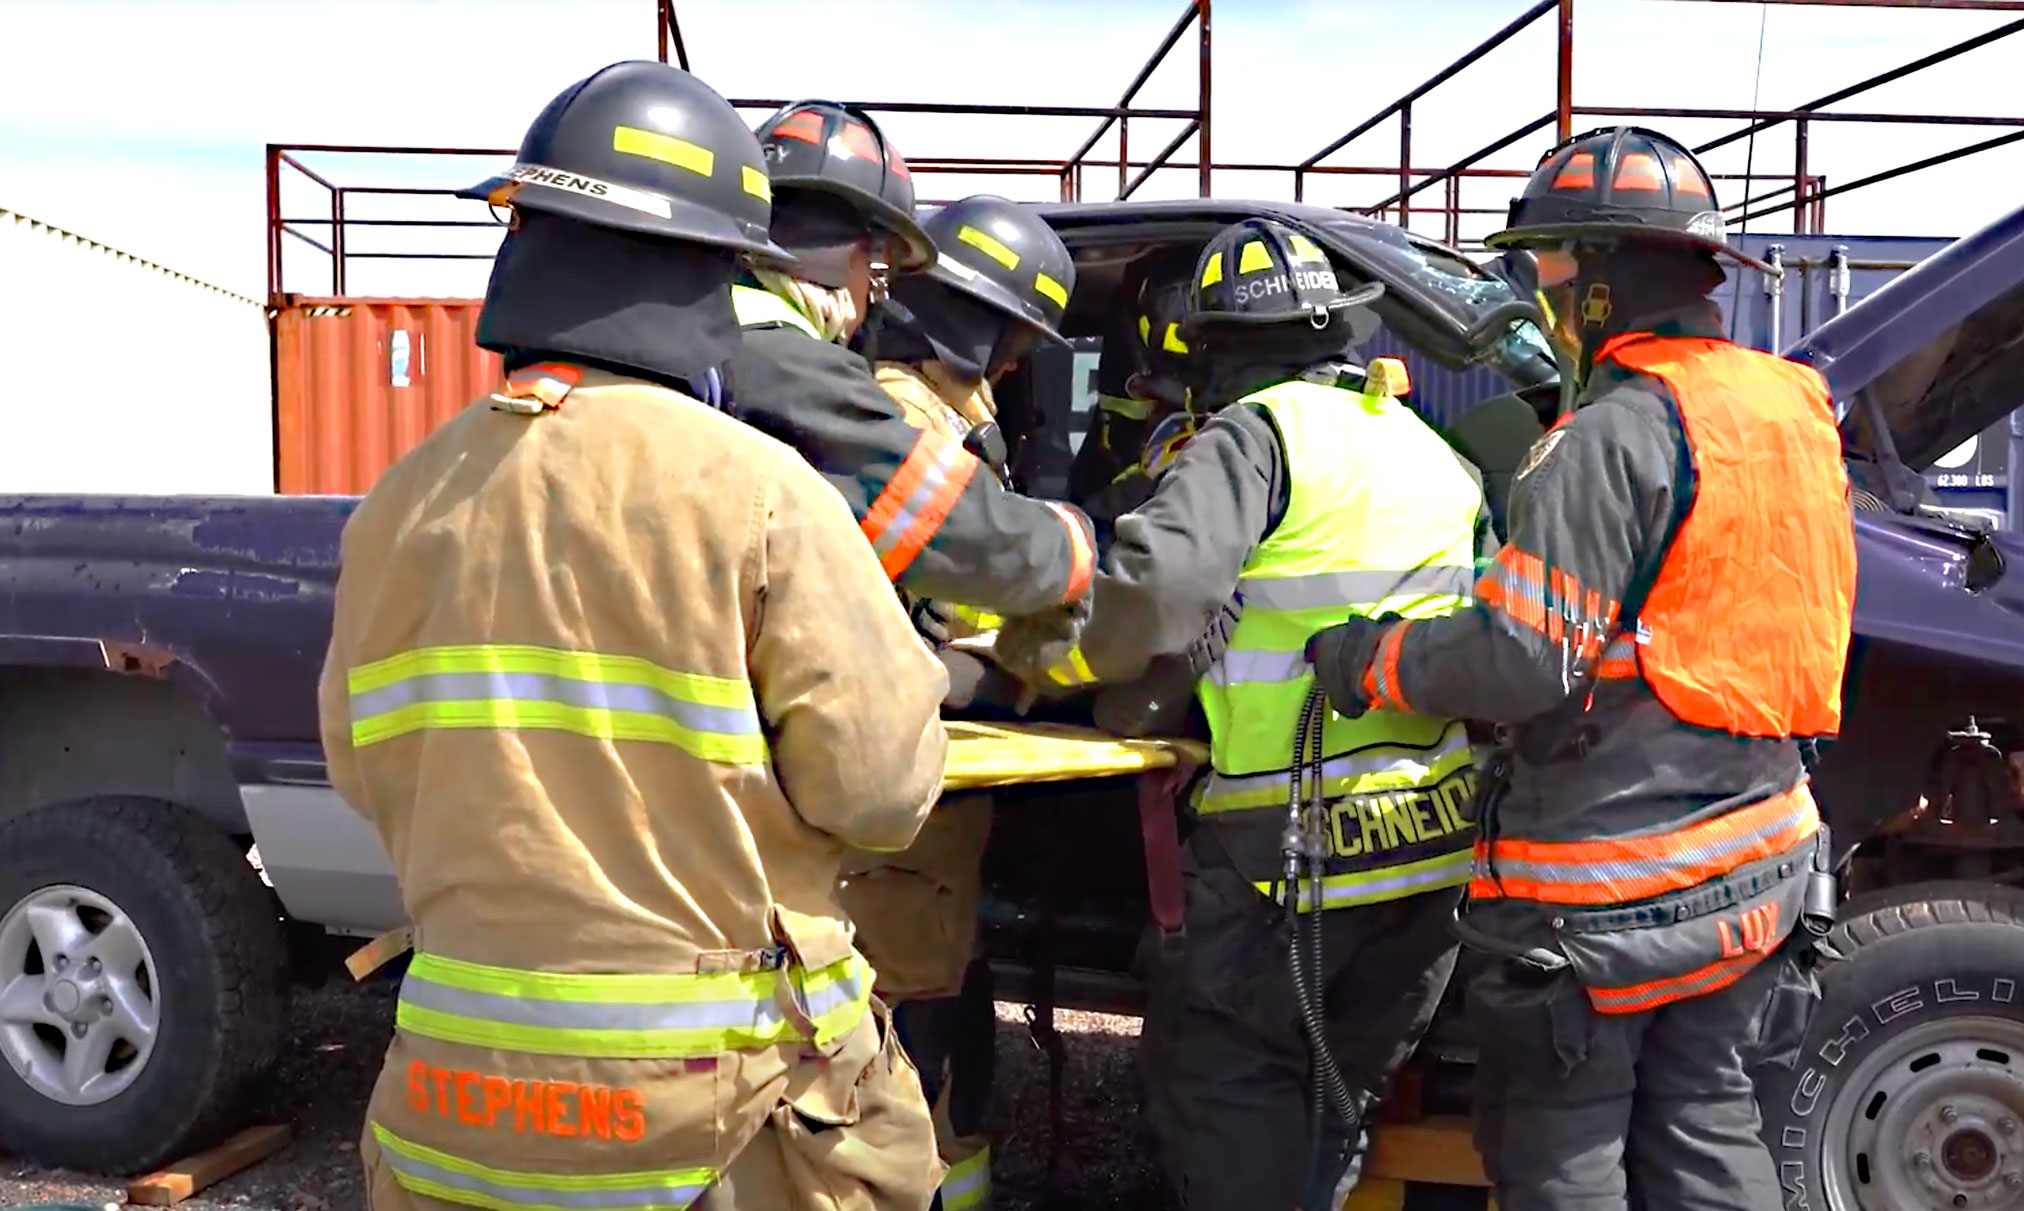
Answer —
140 122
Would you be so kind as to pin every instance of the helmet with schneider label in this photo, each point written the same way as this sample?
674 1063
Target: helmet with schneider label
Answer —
1263 271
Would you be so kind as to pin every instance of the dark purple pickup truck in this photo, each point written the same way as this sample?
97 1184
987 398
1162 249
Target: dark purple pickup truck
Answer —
171 854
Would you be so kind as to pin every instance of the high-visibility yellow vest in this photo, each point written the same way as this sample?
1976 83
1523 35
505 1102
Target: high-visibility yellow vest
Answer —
755 307
1381 518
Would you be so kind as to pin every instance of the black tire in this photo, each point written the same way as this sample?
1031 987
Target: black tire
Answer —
1926 1016
216 939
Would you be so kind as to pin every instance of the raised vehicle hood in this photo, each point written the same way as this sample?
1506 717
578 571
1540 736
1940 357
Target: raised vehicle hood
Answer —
1941 347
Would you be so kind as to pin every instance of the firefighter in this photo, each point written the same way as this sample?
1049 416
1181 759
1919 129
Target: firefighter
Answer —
997 290
616 790
843 205
1670 612
1138 427
1310 495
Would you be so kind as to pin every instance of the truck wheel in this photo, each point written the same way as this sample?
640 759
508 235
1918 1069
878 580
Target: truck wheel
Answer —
1909 1091
142 984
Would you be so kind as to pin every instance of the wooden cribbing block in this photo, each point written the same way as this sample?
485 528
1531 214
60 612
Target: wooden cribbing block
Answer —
1436 1149
167 1187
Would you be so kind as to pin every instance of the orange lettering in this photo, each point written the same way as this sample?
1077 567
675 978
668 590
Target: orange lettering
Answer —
1760 927
527 1107
1729 948
498 1097
558 1108
595 1110
418 1087
628 1116
441 1077
467 1098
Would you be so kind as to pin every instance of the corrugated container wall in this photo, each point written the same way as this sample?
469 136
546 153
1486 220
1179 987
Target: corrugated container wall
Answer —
127 377
361 381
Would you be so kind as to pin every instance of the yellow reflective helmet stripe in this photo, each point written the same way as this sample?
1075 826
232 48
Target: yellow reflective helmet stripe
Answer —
508 686
1304 249
433 1173
1213 271
629 1016
1172 342
632 141
989 246
756 183
1253 257
1051 288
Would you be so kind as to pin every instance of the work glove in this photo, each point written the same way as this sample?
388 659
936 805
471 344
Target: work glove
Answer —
1157 704
1341 655
1039 648
931 619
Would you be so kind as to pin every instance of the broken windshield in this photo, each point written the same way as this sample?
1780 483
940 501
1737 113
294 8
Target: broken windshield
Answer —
1472 291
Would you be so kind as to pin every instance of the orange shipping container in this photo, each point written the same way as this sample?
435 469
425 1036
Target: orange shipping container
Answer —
360 382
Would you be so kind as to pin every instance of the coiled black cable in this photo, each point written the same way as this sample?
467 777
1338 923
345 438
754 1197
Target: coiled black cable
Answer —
1304 849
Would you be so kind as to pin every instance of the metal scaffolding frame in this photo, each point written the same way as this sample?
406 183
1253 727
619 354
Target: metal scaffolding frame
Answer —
1802 190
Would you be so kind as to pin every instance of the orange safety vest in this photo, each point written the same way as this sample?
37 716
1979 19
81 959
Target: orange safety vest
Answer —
1746 628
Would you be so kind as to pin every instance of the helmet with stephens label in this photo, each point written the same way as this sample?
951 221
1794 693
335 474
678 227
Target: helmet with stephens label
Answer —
1007 257
644 147
1620 183
1263 271
838 150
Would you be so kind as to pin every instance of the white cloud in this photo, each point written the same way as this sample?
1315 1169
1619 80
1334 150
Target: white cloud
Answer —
141 122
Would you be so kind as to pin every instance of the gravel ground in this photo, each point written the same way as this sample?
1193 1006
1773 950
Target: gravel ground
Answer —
340 1032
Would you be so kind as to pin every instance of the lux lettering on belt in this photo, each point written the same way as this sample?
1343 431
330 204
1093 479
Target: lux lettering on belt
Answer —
560 1108
1361 825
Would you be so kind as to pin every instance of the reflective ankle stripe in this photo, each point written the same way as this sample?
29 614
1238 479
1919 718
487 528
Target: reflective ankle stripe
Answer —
1622 870
1386 882
625 1016
589 693
968 1183
436 1174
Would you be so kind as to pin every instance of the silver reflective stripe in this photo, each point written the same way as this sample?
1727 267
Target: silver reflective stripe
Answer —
485 1192
1256 667
1683 858
589 1015
946 455
548 687
1393 885
1350 765
1365 587
966 1183
737 1014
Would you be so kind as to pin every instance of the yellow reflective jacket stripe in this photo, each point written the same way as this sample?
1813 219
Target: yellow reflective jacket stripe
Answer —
968 1182
628 1016
437 1174
756 308
589 693
1373 770
1385 883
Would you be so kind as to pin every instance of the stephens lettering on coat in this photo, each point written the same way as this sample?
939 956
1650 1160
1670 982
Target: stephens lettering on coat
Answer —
559 1108
1756 932
1362 826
